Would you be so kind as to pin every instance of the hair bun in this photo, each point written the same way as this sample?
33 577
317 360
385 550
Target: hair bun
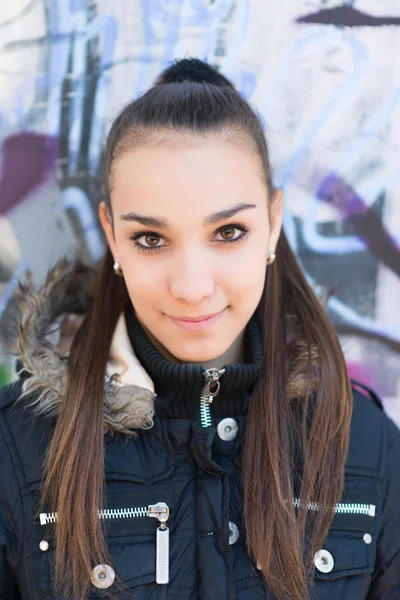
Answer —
192 69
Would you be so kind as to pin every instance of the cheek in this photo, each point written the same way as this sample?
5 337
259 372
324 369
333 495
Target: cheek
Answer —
245 272
144 280
244 286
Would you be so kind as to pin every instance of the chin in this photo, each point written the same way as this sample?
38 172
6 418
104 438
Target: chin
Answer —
193 354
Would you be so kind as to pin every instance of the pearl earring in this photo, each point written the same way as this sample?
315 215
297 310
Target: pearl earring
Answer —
117 269
271 258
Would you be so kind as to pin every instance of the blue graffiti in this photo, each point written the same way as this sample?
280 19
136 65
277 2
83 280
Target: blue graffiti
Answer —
108 28
336 101
12 284
76 199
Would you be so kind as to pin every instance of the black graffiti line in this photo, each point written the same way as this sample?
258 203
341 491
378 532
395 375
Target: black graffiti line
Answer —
347 16
44 40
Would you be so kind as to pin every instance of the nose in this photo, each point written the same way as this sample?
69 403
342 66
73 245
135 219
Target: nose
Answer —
191 278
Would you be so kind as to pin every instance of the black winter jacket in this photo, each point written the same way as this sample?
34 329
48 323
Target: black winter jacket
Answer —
183 473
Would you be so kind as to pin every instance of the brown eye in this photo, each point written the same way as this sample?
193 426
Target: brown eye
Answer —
148 242
152 240
228 233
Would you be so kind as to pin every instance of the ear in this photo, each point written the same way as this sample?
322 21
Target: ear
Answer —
106 223
275 218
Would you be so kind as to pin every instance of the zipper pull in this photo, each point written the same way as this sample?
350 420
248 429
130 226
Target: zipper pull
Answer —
212 385
161 512
209 391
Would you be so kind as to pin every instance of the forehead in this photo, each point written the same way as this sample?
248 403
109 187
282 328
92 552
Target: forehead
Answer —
191 177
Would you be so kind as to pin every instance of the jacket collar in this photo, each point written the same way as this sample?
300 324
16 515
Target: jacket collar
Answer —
179 386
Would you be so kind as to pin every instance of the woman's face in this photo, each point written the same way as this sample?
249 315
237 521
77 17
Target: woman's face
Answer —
192 235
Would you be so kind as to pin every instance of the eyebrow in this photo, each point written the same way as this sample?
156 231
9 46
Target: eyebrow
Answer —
210 220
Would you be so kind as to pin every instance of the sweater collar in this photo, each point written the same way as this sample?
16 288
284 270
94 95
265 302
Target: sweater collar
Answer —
179 386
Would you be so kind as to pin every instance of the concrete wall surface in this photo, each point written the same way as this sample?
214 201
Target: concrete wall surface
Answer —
324 75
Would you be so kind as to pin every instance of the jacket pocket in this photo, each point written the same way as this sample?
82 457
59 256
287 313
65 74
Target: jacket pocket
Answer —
344 566
137 528
345 553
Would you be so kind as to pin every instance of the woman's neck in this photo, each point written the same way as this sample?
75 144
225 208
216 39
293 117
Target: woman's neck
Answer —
234 354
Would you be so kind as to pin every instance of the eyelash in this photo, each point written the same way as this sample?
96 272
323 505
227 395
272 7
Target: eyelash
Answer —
149 250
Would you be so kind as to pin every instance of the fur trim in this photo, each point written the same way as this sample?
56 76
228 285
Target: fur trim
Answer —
48 321
302 380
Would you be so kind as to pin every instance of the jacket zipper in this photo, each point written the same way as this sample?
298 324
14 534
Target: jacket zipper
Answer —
158 511
344 508
210 390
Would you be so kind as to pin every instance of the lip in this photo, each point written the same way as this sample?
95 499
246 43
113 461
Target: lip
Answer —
197 323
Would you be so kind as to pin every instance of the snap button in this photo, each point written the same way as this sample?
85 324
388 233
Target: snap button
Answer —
367 538
323 560
227 429
44 545
102 576
233 533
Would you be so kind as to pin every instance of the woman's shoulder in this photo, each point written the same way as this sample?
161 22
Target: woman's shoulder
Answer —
372 475
374 452
16 416
21 405
10 393
24 439
374 437
375 445
11 404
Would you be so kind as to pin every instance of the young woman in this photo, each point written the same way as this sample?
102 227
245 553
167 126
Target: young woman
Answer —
183 425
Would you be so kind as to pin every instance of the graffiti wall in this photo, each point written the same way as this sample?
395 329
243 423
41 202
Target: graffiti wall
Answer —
323 74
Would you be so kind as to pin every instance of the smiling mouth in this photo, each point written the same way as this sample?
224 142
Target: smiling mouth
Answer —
195 319
197 323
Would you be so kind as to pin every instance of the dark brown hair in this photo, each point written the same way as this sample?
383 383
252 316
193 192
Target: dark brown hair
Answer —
295 445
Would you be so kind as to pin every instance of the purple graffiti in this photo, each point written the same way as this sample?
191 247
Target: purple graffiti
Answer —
27 161
334 190
361 372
